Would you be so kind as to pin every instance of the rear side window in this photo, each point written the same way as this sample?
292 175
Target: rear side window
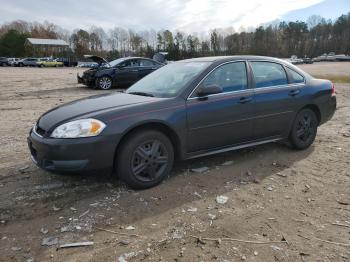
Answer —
296 77
230 77
147 63
268 74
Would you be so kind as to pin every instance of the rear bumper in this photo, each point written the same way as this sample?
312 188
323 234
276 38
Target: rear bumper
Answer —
72 155
328 109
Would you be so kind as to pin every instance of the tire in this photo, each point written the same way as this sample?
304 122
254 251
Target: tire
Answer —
137 165
104 83
21 65
304 129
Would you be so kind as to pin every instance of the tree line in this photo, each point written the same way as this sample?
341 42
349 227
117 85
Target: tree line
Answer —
279 39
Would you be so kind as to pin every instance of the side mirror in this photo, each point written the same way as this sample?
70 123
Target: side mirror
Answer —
209 90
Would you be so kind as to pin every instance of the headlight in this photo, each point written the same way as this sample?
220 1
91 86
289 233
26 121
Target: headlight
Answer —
79 128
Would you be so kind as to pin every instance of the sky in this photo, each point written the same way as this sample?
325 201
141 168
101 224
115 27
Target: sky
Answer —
184 15
329 9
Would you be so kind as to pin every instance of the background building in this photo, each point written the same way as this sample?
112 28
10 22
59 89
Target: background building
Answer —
45 47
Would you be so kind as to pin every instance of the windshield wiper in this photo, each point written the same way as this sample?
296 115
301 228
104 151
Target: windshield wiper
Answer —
141 94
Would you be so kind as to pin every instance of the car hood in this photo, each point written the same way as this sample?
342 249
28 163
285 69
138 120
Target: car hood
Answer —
87 106
97 59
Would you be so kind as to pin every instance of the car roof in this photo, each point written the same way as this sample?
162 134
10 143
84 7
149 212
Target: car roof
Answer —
229 58
123 59
135 57
222 59
217 60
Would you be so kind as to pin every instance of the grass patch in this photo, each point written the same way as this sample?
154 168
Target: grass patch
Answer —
335 78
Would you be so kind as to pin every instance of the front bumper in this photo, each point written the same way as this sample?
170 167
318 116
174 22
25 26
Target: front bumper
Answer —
88 81
78 155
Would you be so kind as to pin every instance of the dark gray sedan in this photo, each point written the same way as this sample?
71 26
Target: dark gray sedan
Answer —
183 110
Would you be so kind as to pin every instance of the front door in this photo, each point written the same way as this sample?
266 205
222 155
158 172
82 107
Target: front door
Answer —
224 119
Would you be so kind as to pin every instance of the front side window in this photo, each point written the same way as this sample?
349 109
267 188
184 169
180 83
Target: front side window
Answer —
130 63
296 77
230 77
268 74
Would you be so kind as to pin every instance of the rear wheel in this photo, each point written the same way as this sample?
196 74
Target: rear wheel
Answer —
145 159
304 129
104 83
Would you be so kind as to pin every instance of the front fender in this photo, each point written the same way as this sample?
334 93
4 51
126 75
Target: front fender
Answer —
172 132
169 115
105 72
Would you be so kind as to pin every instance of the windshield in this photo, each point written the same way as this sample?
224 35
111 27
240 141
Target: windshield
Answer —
115 62
168 80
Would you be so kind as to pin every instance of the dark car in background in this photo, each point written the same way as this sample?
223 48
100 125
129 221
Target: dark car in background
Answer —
184 110
120 73
4 61
27 62
307 60
87 65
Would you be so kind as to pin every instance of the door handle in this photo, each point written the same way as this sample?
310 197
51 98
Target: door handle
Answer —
244 100
134 70
294 92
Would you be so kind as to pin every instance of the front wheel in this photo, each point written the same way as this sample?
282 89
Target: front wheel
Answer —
145 159
104 83
304 129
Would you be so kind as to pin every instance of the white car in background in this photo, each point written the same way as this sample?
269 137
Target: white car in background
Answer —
12 61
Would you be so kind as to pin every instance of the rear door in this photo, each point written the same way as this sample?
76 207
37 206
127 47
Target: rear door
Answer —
146 67
276 98
224 119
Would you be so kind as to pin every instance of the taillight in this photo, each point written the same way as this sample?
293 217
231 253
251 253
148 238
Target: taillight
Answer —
333 89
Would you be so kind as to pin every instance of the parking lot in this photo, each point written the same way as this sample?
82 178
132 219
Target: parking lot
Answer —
283 205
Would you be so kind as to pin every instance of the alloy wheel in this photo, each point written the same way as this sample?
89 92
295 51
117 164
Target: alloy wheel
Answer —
305 128
149 160
105 83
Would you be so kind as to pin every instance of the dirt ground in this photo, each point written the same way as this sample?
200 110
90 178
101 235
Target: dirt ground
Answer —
285 205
